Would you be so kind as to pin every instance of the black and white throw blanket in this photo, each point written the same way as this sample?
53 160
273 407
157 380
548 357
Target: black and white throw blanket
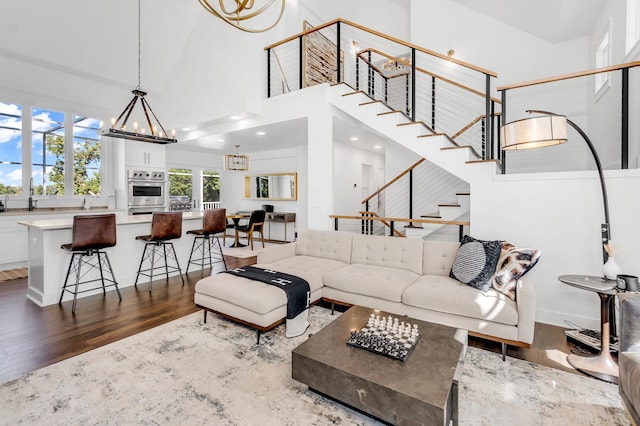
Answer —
297 291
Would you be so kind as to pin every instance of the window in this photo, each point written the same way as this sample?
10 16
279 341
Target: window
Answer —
86 156
633 25
48 173
180 183
603 59
210 188
47 155
10 149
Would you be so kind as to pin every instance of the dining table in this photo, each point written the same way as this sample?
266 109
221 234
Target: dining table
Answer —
236 217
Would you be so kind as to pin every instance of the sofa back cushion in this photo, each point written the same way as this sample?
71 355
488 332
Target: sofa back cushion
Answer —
438 257
334 245
392 252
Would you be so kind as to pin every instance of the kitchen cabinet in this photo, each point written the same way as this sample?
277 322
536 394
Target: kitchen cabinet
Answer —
147 156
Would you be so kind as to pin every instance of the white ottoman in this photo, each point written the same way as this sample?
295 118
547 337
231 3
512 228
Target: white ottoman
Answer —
253 303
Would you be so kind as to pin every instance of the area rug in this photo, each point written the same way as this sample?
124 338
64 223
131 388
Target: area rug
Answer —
189 373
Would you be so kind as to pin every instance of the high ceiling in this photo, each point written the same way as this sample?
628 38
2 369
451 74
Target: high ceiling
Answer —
96 41
555 21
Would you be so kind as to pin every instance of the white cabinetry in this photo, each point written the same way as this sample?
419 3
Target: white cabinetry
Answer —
13 250
145 155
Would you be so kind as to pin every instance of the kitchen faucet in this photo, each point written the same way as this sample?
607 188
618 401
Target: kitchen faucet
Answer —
32 203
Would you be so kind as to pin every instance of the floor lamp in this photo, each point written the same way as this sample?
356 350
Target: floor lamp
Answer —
550 129
547 130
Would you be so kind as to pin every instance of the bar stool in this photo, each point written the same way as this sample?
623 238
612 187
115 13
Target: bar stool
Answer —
90 234
256 224
213 222
164 227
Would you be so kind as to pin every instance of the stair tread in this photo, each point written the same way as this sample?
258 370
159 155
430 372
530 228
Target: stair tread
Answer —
357 92
369 103
430 135
463 193
449 205
432 216
482 161
395 111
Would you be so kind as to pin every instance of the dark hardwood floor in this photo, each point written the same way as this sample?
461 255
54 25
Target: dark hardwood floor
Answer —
33 337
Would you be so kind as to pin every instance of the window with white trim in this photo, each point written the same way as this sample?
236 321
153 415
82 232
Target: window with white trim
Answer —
10 149
633 25
39 157
603 59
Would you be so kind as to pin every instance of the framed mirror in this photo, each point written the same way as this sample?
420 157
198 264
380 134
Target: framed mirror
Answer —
271 186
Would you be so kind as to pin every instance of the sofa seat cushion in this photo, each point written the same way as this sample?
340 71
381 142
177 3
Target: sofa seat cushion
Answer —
447 295
310 268
370 280
253 295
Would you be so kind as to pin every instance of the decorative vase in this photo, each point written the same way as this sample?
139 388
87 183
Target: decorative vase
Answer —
611 269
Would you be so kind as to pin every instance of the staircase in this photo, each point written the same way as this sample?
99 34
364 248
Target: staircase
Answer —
416 136
461 161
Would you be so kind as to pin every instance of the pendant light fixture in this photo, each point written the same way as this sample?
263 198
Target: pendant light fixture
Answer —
156 132
241 11
236 161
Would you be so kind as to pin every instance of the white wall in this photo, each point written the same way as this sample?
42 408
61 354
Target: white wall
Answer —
560 214
348 162
385 16
516 56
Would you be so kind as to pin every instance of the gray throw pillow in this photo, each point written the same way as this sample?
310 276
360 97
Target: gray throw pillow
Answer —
475 262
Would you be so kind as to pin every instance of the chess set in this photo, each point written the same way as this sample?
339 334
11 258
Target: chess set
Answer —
386 336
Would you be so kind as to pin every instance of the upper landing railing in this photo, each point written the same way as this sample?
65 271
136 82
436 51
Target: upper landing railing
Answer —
448 95
601 100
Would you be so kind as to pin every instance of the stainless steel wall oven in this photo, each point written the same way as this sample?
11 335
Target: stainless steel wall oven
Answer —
146 191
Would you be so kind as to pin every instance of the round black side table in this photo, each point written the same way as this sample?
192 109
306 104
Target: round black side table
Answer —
602 365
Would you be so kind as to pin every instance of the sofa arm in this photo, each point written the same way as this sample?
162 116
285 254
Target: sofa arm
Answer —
275 253
526 301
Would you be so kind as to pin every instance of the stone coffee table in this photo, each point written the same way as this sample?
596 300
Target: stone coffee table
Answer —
422 390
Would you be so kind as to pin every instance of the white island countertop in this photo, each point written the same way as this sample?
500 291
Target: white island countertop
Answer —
48 263
67 223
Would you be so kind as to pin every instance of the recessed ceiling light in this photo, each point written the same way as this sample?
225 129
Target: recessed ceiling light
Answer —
235 117
219 140
187 129
260 133
354 138
377 146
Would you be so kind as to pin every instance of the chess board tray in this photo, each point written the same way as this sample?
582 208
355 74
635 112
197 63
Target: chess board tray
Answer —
383 342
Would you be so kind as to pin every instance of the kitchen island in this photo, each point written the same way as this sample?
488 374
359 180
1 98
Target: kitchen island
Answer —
48 263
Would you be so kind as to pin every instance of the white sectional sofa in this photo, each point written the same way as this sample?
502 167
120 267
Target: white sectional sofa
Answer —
402 276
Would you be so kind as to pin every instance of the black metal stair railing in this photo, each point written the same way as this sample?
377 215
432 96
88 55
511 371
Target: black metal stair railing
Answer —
442 92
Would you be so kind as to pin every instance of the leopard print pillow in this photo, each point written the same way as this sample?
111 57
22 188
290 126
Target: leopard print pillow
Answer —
513 264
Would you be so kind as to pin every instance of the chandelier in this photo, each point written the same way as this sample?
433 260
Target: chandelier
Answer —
241 11
236 161
156 132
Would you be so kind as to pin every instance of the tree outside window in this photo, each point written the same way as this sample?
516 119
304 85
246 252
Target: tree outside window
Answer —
47 153
210 186
86 156
180 183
